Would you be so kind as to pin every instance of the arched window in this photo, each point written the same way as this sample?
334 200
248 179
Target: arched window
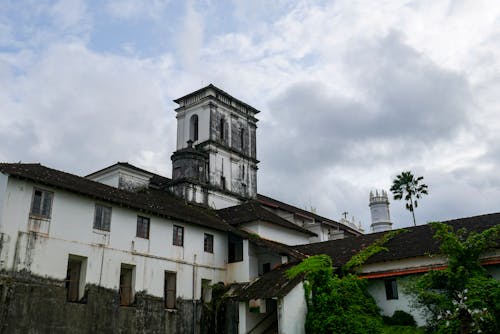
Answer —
193 128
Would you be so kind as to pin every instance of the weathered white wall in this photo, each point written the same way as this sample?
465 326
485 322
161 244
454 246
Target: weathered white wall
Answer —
376 288
183 124
71 232
240 271
292 310
277 233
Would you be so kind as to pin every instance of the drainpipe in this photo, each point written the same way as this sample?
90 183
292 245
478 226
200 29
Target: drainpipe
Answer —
194 293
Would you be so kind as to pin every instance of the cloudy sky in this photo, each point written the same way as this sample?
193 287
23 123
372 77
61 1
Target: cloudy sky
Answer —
351 92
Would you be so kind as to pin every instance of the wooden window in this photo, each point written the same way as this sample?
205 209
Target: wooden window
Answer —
126 288
170 289
75 281
178 239
208 243
235 248
391 289
143 227
102 218
41 204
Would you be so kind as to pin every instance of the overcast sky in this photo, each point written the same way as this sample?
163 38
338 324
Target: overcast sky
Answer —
351 92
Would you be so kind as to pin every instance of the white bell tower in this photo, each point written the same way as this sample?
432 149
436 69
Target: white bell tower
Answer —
379 208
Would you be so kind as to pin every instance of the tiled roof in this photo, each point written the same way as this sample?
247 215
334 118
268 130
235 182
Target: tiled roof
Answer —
272 284
151 201
416 241
156 179
273 203
253 211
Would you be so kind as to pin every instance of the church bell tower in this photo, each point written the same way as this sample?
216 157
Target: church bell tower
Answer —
215 162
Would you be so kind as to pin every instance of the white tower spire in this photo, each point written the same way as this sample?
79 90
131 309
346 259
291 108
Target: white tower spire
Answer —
379 208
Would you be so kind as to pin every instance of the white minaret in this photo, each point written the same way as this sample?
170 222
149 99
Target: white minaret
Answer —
379 207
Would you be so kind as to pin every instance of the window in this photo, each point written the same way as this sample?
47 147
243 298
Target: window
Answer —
391 289
169 289
206 290
102 217
126 287
266 267
193 125
235 248
41 204
223 182
222 134
209 243
142 227
178 236
75 278
242 138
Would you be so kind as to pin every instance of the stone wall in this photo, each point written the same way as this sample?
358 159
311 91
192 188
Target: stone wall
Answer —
34 305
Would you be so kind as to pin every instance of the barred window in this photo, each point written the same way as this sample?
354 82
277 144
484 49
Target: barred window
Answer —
209 243
41 203
102 218
178 236
143 227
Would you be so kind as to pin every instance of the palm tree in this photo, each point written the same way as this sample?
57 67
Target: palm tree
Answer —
407 186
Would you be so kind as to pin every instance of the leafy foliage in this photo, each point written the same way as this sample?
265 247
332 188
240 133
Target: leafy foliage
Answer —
376 247
400 318
461 298
408 187
340 304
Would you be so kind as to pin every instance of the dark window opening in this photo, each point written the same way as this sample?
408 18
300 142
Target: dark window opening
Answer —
208 243
126 291
223 182
266 267
41 204
102 218
73 279
391 289
222 133
178 239
169 289
193 134
235 248
242 138
143 227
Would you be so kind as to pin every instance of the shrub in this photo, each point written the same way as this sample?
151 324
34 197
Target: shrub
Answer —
400 318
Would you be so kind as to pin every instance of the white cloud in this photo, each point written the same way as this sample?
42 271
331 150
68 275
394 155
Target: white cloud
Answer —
135 9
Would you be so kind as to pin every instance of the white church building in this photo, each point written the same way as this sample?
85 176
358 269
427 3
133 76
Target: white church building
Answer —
125 250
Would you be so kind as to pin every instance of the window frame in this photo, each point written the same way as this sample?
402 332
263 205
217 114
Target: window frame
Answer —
208 243
148 227
391 289
102 226
170 276
45 195
175 238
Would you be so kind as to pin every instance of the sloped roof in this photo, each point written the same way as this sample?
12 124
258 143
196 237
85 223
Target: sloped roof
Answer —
274 203
252 211
272 284
156 179
151 201
414 242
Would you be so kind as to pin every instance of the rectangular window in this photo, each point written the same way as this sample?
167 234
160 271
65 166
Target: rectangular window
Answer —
178 236
242 138
41 204
126 287
222 128
102 217
142 227
266 267
206 290
209 243
170 291
223 182
391 289
75 278
235 248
